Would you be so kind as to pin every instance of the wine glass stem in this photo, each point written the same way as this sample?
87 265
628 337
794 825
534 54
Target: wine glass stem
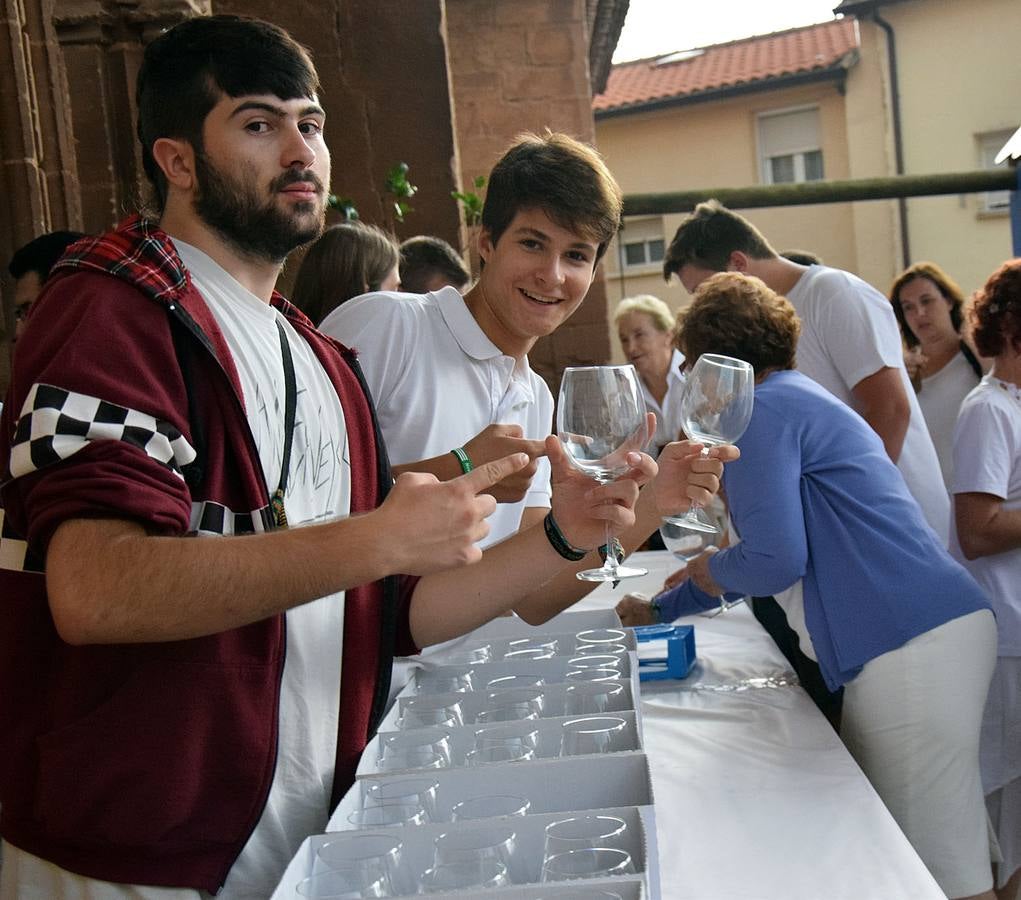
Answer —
703 454
610 564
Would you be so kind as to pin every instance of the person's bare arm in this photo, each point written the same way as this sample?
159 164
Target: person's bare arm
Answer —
450 603
111 582
493 442
883 403
984 527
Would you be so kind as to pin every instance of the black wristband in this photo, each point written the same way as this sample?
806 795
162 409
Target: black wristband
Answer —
559 543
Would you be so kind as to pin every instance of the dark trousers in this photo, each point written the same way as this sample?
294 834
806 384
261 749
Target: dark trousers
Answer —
772 617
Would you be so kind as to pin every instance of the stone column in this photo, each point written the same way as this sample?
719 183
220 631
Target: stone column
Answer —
102 43
525 66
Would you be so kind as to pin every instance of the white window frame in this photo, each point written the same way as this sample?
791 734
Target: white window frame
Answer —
647 259
765 169
988 144
642 232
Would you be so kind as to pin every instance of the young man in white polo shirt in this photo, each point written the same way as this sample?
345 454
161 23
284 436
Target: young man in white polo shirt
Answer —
450 373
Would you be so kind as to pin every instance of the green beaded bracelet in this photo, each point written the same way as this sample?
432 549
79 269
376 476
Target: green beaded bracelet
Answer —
463 459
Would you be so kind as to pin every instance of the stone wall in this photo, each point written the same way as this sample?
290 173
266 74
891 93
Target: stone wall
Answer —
443 85
523 66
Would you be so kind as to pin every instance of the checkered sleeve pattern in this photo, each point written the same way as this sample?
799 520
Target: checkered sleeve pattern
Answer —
14 552
56 423
210 518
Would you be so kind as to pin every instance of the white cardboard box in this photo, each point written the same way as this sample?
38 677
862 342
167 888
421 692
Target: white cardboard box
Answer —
595 783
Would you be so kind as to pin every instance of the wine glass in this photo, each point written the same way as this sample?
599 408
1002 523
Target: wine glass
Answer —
687 544
600 419
716 407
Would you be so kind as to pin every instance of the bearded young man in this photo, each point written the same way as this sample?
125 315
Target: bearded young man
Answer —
187 682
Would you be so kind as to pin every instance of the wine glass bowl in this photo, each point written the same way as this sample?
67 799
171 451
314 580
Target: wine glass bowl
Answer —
601 418
685 543
716 407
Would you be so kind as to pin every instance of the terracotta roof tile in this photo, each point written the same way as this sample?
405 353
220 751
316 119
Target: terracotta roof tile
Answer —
759 58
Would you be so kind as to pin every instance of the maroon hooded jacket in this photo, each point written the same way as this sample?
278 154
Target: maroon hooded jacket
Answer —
151 763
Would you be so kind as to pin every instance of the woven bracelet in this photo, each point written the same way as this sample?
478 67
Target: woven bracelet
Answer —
559 543
463 459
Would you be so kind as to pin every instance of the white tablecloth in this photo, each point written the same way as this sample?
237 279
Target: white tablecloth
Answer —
756 797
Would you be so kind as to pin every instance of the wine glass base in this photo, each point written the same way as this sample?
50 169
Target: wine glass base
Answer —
692 523
608 575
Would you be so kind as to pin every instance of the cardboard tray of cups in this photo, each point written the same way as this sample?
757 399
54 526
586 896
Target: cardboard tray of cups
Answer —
612 784
417 854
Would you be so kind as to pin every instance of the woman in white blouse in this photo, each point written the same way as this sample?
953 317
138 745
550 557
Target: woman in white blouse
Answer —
645 326
987 534
943 368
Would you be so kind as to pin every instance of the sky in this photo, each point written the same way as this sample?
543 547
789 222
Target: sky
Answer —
657 27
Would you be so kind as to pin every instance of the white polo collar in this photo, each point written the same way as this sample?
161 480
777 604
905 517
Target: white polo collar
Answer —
466 331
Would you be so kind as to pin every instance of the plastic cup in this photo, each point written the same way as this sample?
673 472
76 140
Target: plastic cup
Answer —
593 734
596 661
599 862
386 815
593 697
438 681
481 756
486 840
364 860
410 760
600 636
585 831
436 740
339 886
586 674
513 682
488 807
420 790
462 876
598 649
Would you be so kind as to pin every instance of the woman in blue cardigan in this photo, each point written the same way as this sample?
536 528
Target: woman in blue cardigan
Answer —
887 613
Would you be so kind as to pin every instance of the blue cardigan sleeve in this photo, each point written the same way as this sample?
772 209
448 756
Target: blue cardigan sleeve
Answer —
764 492
684 599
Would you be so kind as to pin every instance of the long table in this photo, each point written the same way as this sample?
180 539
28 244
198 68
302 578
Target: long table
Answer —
756 797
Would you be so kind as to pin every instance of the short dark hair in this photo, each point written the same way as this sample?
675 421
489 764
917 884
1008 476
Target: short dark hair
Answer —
944 284
995 313
709 235
40 254
187 68
566 179
738 315
349 259
425 256
802 257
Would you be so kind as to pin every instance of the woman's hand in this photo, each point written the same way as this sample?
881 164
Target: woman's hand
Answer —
635 609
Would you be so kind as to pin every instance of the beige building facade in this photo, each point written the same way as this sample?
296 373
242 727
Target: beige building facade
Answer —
958 72
958 99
